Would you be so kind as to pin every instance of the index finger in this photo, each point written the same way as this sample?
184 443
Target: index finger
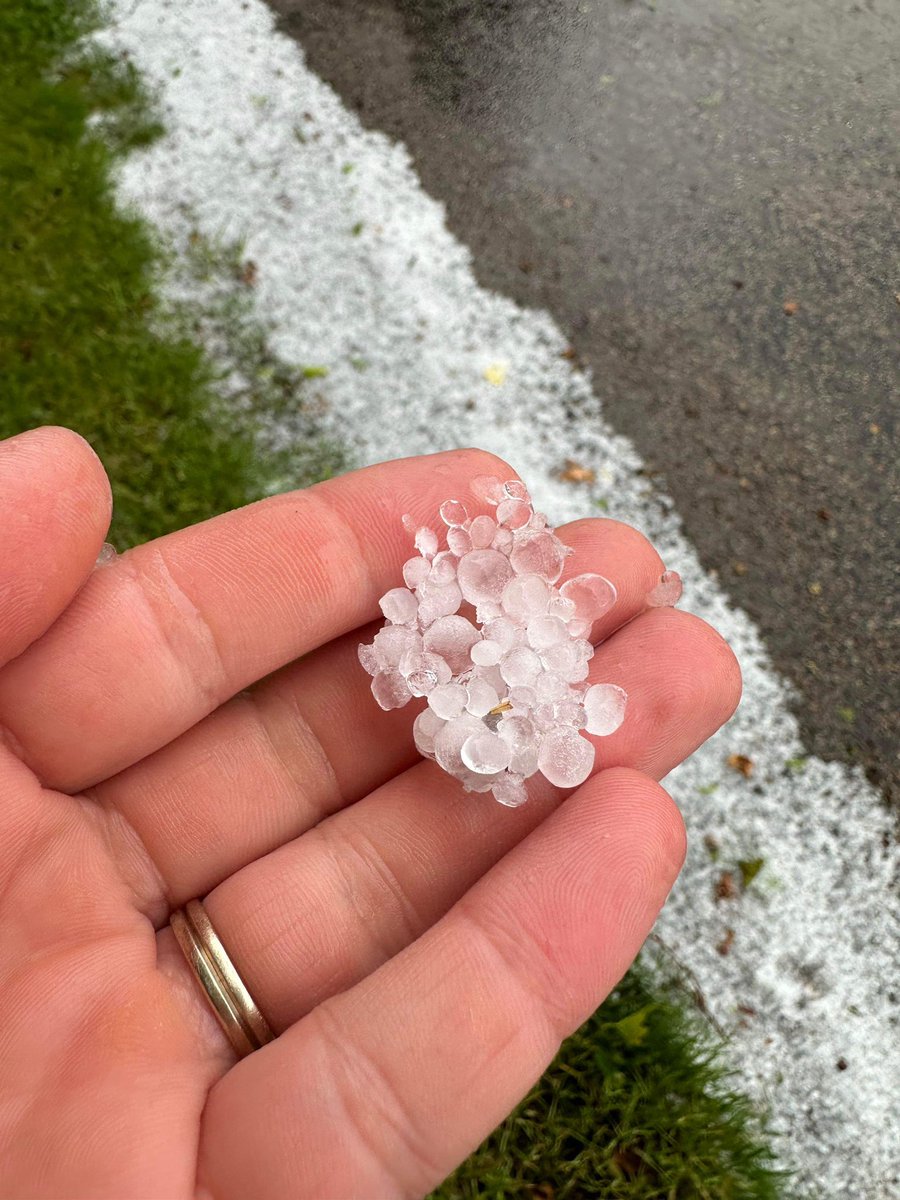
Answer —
161 637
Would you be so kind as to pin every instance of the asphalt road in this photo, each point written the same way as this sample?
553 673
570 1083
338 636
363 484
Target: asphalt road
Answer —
703 193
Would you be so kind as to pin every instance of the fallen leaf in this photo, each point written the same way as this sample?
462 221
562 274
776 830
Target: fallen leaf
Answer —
746 1010
749 869
633 1028
575 473
740 763
570 353
726 888
739 568
814 588
712 846
790 307
496 373
249 273
724 947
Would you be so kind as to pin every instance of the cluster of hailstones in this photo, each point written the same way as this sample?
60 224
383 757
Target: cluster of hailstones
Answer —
500 652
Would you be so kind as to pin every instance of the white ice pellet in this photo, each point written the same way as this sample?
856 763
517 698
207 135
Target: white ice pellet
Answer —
562 658
525 596
425 728
509 789
538 554
390 689
516 490
426 542
506 695
486 653
415 571
544 630
550 687
592 595
481 532
448 742
368 657
452 637
424 671
392 642
443 568
399 606
522 697
447 700
437 600
522 737
513 513
453 512
485 753
565 757
459 541
559 606
481 696
667 592
520 666
483 574
604 706
488 489
487 611
504 631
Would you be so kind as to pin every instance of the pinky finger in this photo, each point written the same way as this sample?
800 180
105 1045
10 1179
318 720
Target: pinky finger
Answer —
383 1090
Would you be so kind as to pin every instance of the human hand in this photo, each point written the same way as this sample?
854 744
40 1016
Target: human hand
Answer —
420 951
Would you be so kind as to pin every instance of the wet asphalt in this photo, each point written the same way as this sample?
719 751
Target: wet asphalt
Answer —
704 195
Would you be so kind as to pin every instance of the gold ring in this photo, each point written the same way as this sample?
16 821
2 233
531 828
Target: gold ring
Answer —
245 1026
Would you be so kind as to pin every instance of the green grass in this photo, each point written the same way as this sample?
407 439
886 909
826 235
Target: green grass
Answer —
636 1106
84 339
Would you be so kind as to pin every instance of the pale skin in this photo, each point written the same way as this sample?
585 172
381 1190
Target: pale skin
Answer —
191 720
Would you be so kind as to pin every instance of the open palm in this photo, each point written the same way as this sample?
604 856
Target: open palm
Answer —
191 720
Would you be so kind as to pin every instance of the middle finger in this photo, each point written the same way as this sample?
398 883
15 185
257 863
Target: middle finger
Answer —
306 742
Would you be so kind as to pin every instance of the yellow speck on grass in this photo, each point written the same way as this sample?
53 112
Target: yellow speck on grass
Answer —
496 373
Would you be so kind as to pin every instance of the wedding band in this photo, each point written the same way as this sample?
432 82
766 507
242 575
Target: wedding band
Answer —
244 1025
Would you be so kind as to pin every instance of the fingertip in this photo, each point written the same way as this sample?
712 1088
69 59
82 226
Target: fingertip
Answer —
711 673
56 501
58 459
632 800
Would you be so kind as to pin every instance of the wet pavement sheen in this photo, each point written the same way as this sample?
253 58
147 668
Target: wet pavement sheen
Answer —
703 193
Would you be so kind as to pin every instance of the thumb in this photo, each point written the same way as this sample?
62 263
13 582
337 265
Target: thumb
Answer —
55 506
